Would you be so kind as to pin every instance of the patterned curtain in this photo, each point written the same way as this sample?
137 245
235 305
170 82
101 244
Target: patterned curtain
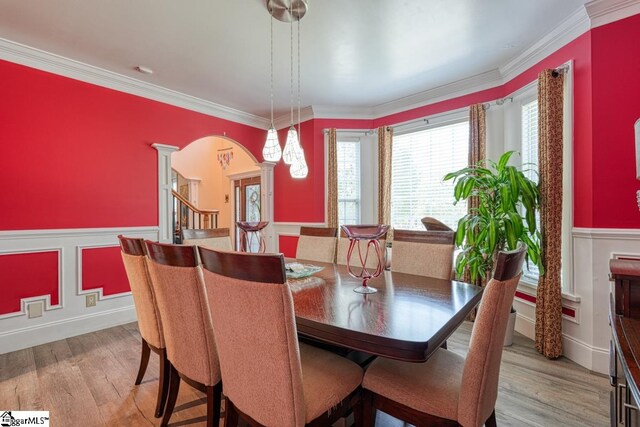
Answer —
549 295
385 141
477 153
332 180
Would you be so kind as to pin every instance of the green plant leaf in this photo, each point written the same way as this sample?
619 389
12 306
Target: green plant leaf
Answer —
504 159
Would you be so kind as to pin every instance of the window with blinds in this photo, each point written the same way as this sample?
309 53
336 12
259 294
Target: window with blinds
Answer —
529 152
348 182
419 162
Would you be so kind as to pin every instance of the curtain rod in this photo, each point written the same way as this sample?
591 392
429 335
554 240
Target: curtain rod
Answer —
361 131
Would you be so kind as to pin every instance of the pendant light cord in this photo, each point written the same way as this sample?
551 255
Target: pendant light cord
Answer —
299 130
271 67
291 85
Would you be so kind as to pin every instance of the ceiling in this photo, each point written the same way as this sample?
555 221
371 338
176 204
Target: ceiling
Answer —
355 53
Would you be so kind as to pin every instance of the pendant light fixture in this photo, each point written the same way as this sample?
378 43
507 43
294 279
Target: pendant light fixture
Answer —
272 151
293 154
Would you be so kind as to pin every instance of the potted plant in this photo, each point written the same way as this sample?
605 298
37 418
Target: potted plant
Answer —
505 216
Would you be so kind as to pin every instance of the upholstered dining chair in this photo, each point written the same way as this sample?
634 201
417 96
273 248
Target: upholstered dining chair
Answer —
269 378
432 224
213 238
423 253
149 321
343 248
186 319
317 244
449 390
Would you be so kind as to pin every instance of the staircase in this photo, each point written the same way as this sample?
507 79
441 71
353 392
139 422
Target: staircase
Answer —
187 216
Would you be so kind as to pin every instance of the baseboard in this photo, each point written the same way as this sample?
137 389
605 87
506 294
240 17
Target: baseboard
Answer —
19 339
593 358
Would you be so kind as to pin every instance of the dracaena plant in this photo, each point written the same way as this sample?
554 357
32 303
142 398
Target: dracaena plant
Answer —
505 216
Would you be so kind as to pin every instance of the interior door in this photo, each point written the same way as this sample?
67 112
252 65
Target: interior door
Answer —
247 200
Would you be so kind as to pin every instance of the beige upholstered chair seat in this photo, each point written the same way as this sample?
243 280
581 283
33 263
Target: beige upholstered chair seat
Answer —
219 243
326 379
440 378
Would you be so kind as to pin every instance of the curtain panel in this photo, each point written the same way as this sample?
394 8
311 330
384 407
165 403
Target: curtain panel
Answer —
385 142
477 153
332 180
549 295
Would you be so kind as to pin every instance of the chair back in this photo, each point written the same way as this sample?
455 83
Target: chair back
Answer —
254 323
136 265
432 224
184 308
479 387
213 238
317 244
423 253
343 248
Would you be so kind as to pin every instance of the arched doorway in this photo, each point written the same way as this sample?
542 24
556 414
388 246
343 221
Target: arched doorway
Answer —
209 170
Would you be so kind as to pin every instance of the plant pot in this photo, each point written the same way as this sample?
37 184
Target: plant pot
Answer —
511 326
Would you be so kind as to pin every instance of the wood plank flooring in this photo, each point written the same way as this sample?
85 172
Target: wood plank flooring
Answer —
88 381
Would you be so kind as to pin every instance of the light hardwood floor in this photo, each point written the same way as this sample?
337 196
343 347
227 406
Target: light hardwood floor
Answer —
88 381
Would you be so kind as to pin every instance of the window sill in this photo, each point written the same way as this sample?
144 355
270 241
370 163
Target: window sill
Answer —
528 286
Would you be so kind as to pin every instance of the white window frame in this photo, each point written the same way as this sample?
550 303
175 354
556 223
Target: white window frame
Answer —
355 140
513 141
431 122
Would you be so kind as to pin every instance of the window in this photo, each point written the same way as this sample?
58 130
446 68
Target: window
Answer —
529 152
348 182
418 163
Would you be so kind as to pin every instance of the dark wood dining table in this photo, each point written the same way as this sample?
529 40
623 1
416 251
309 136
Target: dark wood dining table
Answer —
407 319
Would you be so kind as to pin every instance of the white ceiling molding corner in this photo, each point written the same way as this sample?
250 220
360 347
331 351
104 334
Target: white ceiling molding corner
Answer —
52 63
284 121
342 112
456 89
604 12
571 28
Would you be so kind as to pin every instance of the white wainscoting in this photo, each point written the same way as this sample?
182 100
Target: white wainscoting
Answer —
586 338
72 317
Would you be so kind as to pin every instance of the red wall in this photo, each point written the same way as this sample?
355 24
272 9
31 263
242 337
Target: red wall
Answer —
103 268
76 155
616 107
27 275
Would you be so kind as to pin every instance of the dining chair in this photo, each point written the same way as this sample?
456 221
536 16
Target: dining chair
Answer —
269 378
184 308
432 224
213 238
317 244
343 248
149 321
423 253
448 389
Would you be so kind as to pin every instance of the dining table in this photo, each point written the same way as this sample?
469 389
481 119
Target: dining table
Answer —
408 319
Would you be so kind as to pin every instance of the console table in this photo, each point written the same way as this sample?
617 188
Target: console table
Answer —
624 348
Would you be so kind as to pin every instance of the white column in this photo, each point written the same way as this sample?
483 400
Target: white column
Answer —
266 203
165 209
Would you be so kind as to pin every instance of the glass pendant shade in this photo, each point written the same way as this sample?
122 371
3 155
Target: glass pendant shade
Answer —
290 147
271 152
299 167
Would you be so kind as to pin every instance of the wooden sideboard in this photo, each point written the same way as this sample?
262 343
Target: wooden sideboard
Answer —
624 349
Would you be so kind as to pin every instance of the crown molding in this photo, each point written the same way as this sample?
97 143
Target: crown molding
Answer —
49 62
486 80
568 30
602 12
342 112
284 121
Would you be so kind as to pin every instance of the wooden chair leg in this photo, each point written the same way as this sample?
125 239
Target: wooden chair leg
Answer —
368 410
230 414
144 361
491 421
163 386
174 387
357 412
214 397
